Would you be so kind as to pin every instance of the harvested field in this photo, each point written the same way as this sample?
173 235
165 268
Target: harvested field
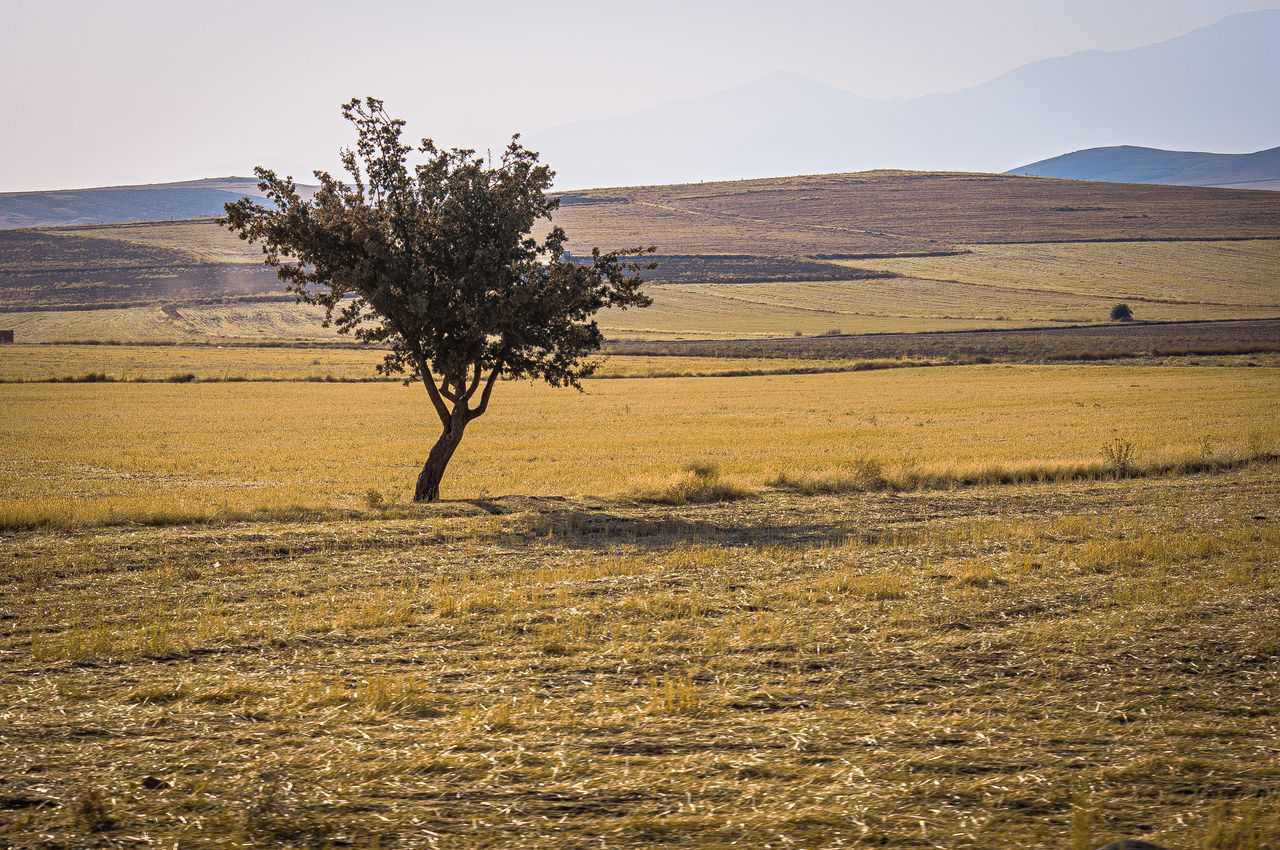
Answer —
1149 276
96 453
741 268
1039 666
874 252
887 212
1097 342
201 238
73 289
1008 597
319 362
269 319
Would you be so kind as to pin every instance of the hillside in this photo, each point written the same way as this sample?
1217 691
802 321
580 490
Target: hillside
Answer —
848 216
873 252
1131 164
61 269
1178 94
115 204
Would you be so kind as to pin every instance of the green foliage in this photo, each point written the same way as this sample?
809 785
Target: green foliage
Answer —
1121 313
438 264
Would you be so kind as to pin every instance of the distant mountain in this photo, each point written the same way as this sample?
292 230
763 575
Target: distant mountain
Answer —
1129 164
779 124
118 204
1211 89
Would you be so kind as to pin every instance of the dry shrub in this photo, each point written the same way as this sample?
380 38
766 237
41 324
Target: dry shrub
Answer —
858 475
670 695
877 586
980 576
701 482
92 811
1118 455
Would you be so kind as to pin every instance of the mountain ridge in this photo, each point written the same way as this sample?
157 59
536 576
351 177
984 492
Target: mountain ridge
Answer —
1136 164
1178 93
123 204
1173 95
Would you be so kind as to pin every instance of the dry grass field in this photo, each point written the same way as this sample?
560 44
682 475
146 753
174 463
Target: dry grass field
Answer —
330 363
65 269
1117 340
960 606
238 320
888 212
94 453
201 239
1161 281
762 258
1005 286
1049 665
1012 587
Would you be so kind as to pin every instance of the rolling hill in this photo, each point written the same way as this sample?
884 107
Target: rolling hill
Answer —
1130 164
1178 94
869 252
116 204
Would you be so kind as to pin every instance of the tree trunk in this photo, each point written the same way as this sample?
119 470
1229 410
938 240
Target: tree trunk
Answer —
428 489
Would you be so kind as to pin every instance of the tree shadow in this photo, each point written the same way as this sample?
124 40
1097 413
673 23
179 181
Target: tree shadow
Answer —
598 524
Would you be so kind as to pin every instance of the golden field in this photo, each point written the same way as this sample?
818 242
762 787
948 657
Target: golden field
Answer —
237 321
743 259
711 601
1161 281
146 363
989 286
168 452
200 239
1046 665
948 607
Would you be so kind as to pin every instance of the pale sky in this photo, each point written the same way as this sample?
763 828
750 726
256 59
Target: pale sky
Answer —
134 91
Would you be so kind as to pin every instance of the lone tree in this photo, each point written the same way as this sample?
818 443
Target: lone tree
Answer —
1121 313
438 262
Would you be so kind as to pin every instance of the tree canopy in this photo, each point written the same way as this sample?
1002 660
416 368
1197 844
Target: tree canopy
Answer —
439 262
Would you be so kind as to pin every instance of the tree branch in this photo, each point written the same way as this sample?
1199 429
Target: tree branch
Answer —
475 382
488 388
429 381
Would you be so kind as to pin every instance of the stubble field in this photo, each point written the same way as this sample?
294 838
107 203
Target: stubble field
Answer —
1045 665
936 609
93 452
750 588
858 253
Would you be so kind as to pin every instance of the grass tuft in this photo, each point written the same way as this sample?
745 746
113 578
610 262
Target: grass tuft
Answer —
700 483
862 474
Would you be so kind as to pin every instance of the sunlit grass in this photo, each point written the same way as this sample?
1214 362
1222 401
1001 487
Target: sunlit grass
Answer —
1161 281
330 363
941 668
105 453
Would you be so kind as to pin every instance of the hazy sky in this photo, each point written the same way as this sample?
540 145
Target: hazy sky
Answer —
134 91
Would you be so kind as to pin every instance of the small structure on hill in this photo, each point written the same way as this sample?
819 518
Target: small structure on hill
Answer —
1121 313
6 336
